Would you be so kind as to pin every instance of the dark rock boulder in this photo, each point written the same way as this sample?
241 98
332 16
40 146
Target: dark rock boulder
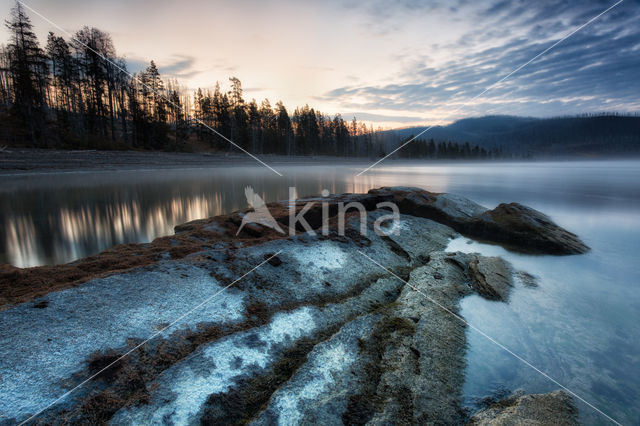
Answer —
490 277
514 226
524 229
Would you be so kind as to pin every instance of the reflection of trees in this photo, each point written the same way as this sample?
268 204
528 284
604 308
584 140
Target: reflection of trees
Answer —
77 229
59 225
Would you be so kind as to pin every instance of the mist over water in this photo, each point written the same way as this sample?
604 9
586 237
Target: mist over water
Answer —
57 218
60 217
580 324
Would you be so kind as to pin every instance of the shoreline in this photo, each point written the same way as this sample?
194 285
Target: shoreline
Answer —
30 162
317 313
25 162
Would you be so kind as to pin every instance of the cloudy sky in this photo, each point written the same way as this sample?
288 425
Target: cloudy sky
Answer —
393 63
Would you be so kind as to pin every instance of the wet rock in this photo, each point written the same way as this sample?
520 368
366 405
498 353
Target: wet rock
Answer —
555 408
105 314
420 371
243 362
490 277
319 334
400 365
525 229
447 209
526 279
514 226
319 392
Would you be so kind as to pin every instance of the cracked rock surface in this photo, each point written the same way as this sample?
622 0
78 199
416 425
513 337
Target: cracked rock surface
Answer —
319 333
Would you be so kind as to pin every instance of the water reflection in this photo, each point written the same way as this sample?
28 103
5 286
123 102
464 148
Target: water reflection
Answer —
82 231
56 218
59 218
580 325
22 249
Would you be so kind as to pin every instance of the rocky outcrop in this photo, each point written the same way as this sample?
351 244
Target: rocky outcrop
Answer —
525 229
354 328
513 225
555 408
403 364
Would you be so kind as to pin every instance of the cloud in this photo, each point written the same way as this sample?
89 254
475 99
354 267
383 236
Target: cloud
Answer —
135 65
594 70
367 116
179 66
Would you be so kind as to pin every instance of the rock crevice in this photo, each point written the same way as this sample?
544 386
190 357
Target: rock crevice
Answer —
319 333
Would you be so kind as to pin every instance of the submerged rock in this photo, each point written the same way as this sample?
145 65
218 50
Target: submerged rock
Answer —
555 408
490 277
331 328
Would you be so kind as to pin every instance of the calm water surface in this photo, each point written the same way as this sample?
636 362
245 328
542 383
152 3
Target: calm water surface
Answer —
581 324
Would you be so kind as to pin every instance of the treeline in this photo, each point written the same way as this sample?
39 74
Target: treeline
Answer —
78 94
421 148
266 129
592 134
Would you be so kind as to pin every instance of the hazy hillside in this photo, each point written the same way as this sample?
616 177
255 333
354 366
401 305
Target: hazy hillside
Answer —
585 135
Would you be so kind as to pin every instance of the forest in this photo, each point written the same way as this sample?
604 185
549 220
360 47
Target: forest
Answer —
421 148
78 94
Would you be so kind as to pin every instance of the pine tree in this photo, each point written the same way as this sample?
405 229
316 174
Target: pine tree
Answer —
269 137
285 130
28 72
94 49
154 86
239 117
156 107
256 139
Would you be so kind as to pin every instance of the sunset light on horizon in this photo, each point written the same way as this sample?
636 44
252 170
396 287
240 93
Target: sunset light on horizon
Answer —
399 65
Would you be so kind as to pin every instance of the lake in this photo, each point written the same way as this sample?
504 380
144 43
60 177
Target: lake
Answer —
580 324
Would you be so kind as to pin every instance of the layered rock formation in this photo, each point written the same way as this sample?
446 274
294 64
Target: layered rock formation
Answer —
354 328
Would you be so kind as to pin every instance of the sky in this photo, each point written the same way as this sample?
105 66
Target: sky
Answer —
392 64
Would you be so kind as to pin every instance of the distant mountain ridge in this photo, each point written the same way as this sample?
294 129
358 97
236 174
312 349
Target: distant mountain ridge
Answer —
581 135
